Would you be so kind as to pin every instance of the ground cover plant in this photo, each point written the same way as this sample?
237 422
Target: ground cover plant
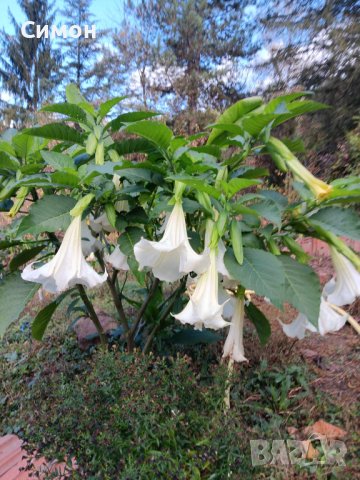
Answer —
180 235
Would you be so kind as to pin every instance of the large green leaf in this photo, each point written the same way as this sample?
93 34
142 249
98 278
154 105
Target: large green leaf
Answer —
24 257
198 183
57 131
233 113
105 107
341 221
26 145
269 210
129 117
261 271
49 214
261 323
58 161
128 238
73 94
69 109
15 294
193 337
42 319
8 163
302 288
133 145
156 132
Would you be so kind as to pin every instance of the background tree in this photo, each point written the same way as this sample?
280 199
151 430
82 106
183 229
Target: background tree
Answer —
29 67
187 53
81 54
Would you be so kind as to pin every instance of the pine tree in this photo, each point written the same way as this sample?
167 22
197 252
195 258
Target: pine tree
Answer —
29 67
81 54
188 54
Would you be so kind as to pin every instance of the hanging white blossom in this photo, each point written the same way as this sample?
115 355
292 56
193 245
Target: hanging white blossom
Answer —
68 267
329 321
89 243
117 259
234 346
345 287
172 257
203 309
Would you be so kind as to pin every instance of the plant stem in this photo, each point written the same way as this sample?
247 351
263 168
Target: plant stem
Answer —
228 385
349 318
144 306
93 315
163 317
116 299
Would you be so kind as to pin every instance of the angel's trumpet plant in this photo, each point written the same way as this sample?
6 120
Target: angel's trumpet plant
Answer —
345 287
68 267
172 257
280 152
203 309
117 259
329 321
234 346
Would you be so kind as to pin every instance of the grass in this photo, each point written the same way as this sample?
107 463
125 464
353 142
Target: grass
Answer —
130 417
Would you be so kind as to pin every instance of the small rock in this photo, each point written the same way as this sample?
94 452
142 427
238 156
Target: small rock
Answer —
323 429
86 332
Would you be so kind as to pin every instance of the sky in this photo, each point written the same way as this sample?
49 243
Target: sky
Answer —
108 13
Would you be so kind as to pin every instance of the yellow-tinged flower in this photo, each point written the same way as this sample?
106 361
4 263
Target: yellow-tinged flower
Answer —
203 309
278 150
68 267
234 345
172 257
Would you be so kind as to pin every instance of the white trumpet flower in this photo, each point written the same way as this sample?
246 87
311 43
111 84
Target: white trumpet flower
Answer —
344 289
203 309
172 257
329 321
68 267
89 243
101 223
117 259
234 346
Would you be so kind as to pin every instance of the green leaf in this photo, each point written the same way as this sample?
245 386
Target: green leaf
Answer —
24 256
68 109
236 240
237 184
341 221
261 271
128 238
49 214
234 113
261 323
133 145
269 210
8 163
42 319
57 131
156 132
58 161
26 145
199 184
105 107
193 337
73 94
111 214
65 178
302 288
129 117
15 294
